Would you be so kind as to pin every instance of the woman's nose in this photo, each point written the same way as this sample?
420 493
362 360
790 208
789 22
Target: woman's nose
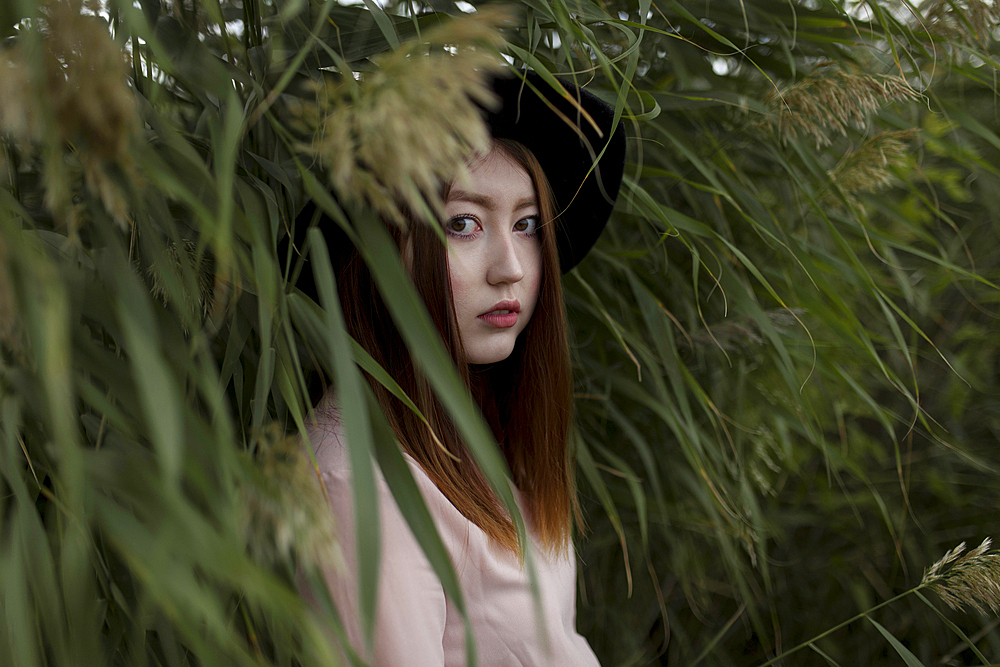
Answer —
504 264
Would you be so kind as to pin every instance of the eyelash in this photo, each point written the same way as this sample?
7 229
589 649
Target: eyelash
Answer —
534 230
451 232
474 219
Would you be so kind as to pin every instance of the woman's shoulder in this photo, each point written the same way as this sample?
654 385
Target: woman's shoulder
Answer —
325 434
330 447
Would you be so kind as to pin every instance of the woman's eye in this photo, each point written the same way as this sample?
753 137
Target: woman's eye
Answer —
461 226
526 225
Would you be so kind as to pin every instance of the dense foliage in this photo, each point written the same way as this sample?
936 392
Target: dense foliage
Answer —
785 344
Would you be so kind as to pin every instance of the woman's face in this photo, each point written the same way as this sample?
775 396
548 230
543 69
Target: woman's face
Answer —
494 256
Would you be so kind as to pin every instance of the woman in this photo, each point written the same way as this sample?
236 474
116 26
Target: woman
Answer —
532 205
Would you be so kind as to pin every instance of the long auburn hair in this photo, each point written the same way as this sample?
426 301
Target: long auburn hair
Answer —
526 399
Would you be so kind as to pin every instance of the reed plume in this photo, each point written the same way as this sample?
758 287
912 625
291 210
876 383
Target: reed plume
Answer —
283 507
870 167
968 22
72 69
185 257
823 104
970 580
402 131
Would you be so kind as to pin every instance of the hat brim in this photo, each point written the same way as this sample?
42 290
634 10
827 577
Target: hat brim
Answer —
572 134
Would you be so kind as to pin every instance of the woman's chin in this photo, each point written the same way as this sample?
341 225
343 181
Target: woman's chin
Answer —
488 354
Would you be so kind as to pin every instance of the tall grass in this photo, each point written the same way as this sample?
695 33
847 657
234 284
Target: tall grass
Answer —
784 345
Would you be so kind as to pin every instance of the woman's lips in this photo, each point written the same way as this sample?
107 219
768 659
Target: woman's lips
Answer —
503 315
501 320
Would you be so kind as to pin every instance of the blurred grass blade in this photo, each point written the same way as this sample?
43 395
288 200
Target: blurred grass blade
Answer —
352 408
411 503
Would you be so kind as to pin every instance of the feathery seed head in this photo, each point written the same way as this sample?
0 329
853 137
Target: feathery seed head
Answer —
16 117
869 168
186 258
283 508
965 21
972 579
79 78
395 137
822 104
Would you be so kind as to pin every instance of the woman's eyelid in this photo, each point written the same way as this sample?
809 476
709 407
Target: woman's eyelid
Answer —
467 217
532 219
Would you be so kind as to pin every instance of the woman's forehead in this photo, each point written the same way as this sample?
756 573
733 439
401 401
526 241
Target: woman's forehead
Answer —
492 177
496 151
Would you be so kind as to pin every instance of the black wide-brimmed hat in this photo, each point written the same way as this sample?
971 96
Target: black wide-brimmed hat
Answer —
570 131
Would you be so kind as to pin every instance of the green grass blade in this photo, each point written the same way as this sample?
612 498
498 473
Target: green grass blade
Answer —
905 653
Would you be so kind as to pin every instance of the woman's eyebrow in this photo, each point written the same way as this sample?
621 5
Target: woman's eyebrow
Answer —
527 202
472 198
486 201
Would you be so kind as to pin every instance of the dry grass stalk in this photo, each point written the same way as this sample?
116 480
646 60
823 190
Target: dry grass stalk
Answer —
80 98
971 580
822 104
869 168
964 21
392 140
8 321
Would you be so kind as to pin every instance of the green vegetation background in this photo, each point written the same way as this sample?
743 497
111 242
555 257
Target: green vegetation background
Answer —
785 344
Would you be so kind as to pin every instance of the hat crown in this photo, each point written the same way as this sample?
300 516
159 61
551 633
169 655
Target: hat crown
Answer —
573 135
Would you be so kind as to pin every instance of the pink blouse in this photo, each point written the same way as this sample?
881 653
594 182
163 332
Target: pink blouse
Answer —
416 625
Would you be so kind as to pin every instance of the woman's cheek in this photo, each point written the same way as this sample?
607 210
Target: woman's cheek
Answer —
459 278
